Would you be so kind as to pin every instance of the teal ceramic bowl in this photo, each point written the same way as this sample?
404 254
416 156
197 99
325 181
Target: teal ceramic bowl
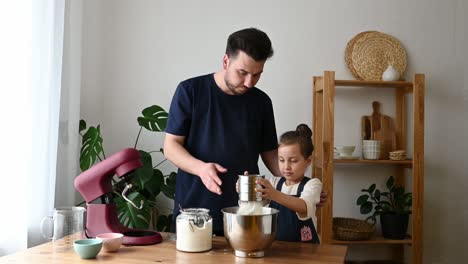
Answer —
87 248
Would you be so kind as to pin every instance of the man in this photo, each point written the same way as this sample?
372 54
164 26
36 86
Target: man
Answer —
218 126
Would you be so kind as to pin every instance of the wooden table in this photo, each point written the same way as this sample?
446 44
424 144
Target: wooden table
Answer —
166 252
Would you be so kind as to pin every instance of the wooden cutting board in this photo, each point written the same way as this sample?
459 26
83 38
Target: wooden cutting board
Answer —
379 127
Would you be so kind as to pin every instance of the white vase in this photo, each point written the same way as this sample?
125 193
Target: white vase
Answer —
391 74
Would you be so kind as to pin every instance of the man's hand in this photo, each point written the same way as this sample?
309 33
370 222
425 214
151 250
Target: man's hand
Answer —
209 176
323 199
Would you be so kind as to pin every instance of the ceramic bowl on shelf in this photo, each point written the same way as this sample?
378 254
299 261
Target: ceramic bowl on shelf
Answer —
344 151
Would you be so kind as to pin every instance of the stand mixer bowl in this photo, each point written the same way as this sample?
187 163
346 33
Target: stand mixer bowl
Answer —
250 235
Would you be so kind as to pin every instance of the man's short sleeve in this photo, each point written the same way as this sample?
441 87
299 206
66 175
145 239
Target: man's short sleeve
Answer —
270 140
180 112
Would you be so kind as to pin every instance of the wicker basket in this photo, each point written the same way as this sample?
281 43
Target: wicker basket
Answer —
352 229
397 155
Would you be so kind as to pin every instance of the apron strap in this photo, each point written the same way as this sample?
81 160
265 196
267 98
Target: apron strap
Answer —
279 185
301 186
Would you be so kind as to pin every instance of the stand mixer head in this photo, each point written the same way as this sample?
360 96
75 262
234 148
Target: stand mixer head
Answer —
95 185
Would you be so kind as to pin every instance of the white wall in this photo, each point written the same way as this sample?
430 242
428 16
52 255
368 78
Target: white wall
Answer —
136 52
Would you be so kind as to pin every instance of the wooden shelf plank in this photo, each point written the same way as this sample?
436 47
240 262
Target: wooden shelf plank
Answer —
405 162
377 240
359 83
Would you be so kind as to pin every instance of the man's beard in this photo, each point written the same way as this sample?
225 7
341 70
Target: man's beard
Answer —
234 89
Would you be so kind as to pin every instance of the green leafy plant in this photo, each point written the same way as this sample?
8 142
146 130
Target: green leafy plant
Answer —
393 201
148 181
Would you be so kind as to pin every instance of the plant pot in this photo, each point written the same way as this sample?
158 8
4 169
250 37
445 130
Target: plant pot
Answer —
394 225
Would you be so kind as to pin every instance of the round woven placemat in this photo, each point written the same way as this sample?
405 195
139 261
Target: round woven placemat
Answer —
373 51
349 51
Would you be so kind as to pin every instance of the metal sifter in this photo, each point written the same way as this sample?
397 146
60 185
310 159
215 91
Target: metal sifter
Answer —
247 185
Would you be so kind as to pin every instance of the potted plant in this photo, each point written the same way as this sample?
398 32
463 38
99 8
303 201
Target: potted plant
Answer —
147 181
393 207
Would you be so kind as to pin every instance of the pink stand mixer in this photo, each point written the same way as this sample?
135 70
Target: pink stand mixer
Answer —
95 185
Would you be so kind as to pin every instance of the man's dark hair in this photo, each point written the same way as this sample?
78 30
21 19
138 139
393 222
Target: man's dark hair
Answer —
252 41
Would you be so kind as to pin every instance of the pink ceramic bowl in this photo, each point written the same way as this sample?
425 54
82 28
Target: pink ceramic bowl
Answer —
111 241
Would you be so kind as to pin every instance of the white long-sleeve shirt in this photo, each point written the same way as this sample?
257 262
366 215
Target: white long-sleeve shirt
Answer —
310 195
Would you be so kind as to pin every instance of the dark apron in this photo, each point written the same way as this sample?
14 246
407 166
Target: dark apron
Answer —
290 228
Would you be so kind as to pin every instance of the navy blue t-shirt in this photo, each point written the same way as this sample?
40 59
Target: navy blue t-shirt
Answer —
231 130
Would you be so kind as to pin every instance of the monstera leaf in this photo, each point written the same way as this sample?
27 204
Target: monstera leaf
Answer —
82 125
169 188
145 172
91 147
132 217
154 185
154 118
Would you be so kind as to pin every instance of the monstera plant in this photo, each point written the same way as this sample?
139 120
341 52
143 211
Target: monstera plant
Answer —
147 181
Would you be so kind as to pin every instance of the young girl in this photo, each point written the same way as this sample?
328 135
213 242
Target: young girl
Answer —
294 194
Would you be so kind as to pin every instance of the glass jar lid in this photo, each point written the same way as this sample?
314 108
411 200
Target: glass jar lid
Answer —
195 211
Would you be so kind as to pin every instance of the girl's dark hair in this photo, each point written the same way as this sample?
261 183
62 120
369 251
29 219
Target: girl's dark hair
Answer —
252 41
302 136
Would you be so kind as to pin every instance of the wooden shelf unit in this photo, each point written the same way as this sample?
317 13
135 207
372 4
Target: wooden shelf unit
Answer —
376 240
393 162
323 138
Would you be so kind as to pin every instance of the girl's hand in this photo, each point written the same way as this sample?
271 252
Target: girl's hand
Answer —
268 191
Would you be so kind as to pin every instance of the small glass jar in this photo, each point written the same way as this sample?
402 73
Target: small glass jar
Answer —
194 228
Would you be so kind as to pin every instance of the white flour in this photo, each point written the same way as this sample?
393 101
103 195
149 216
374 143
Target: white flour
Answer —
250 208
191 238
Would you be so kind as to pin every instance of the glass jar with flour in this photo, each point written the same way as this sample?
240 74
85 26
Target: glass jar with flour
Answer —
194 228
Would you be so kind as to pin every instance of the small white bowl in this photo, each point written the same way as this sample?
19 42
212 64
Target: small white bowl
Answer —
111 241
344 151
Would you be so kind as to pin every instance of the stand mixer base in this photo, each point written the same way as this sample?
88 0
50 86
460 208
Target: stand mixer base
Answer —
141 237
243 254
